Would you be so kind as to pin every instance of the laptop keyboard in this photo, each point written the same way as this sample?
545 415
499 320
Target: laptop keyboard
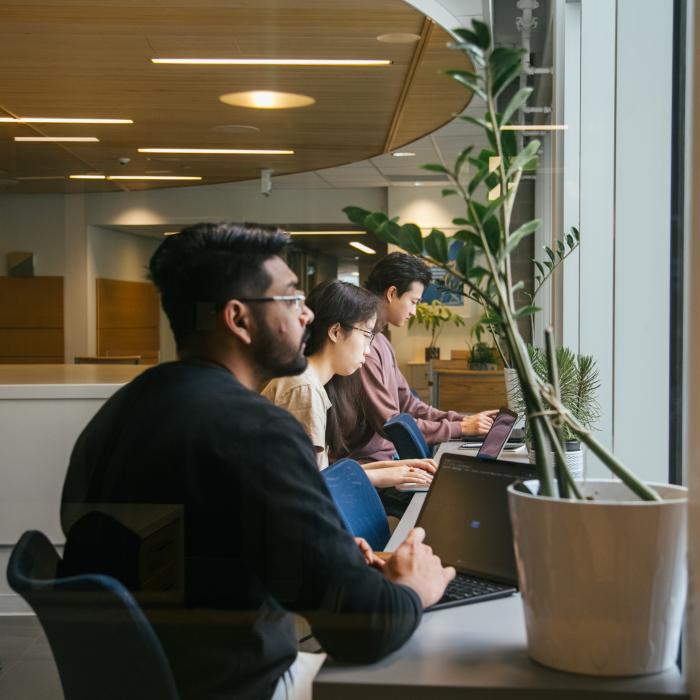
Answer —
468 589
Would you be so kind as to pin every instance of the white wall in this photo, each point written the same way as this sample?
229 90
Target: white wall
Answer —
33 223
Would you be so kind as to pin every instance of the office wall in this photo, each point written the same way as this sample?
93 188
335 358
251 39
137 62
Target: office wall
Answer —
33 223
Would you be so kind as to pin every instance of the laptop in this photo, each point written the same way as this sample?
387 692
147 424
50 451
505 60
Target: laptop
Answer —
466 521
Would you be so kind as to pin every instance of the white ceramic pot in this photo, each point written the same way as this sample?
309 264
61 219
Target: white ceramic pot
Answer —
603 582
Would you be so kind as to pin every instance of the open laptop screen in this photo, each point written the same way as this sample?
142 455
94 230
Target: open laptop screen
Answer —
465 515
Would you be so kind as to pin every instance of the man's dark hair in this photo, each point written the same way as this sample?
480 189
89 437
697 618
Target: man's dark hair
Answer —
398 270
199 269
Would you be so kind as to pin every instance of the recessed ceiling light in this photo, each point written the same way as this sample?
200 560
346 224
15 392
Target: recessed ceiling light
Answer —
363 248
221 151
399 38
535 127
62 120
274 61
73 139
170 233
153 177
417 184
87 177
266 99
403 154
328 233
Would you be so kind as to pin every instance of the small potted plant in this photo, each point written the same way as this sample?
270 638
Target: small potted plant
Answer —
482 357
433 317
578 386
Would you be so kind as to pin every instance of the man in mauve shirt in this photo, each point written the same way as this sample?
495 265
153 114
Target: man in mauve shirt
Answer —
399 280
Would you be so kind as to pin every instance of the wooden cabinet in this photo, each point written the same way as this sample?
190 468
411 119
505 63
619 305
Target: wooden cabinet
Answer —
450 386
468 391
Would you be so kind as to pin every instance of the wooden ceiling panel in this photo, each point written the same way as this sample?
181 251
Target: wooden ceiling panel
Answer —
79 58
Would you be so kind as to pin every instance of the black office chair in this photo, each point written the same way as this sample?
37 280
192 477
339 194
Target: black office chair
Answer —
404 433
103 644
357 502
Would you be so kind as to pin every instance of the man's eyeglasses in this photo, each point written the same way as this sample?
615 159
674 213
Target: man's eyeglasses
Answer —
366 333
297 300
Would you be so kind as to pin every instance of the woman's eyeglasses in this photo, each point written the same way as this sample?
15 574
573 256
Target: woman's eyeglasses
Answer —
368 334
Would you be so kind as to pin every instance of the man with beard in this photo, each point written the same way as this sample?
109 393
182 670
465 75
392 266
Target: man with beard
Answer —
261 534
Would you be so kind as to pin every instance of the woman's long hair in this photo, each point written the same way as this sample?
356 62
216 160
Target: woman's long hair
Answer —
351 419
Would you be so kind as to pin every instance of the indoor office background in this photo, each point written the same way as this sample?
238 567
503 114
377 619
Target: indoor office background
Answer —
621 85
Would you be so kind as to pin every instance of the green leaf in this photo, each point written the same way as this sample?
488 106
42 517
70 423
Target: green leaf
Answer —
465 79
447 192
570 241
467 35
478 178
518 286
465 259
526 311
523 157
561 250
470 238
375 220
549 265
482 33
389 232
477 121
550 253
436 246
478 272
435 167
525 230
356 215
459 221
576 233
509 144
540 267
462 159
411 239
516 102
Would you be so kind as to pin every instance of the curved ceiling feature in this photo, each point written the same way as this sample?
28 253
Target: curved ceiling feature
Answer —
85 59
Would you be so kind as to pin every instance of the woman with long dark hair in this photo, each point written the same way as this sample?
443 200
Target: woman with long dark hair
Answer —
327 398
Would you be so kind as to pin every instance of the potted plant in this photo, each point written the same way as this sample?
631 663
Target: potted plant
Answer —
482 357
578 386
601 564
433 317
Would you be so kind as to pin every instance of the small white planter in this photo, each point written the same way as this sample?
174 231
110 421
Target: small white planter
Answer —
574 461
603 582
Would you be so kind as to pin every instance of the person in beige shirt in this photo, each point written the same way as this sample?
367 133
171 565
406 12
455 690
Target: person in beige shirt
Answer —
340 338
306 399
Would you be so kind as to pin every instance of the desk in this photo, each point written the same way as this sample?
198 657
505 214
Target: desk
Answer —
476 652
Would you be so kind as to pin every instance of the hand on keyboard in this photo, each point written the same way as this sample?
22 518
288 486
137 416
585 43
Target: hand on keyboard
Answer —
414 565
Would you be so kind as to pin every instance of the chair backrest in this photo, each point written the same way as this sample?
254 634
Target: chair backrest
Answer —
102 642
357 502
408 440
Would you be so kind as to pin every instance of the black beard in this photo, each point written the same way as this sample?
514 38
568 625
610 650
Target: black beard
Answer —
275 359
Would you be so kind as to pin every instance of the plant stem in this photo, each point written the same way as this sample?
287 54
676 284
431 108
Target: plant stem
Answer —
559 455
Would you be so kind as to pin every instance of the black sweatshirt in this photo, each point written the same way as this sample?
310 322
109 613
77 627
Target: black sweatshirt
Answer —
261 533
